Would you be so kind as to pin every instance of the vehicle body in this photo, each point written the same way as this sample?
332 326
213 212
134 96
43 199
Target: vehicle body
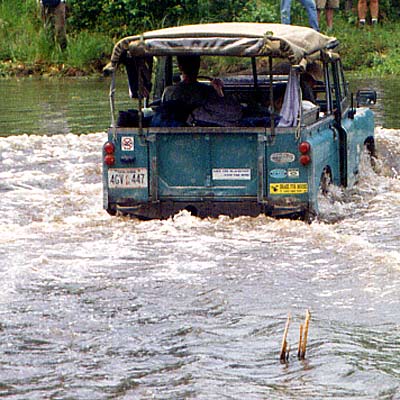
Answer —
245 168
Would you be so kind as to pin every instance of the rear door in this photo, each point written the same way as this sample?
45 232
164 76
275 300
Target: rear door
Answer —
196 162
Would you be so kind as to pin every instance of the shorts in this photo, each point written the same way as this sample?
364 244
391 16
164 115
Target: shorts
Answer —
323 4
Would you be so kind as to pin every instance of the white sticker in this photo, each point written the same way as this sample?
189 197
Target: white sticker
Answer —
293 173
282 158
231 174
127 143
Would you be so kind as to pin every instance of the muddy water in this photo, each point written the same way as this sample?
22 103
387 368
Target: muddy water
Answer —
57 106
99 307
54 106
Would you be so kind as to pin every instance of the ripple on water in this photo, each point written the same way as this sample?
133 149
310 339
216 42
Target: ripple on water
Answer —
93 306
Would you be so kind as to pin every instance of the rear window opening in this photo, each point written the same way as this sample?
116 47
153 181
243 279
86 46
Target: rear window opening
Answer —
246 99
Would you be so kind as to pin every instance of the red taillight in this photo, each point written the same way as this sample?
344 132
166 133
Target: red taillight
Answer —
109 148
305 159
109 159
304 147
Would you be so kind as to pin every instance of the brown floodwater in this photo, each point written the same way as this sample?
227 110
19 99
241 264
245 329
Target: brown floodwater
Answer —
100 307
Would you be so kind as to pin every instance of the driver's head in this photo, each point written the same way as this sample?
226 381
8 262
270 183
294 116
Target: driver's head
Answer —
189 65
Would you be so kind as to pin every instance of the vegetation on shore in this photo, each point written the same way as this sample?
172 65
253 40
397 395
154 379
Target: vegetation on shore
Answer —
93 27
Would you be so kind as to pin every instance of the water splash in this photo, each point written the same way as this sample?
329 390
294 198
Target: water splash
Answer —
187 306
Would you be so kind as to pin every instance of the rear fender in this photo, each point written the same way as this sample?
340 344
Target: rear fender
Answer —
324 156
131 156
359 131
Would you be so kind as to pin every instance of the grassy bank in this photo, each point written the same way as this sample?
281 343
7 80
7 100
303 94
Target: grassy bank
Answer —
26 49
369 51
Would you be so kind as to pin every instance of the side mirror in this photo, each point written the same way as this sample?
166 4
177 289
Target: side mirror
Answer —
366 97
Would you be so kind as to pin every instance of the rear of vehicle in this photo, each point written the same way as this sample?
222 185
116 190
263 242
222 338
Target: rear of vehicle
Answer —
208 171
253 166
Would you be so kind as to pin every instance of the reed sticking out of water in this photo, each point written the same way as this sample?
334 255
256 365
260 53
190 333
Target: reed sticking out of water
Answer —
285 348
301 353
301 350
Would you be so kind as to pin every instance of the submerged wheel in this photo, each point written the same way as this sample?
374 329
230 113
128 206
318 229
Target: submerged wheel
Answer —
369 147
370 151
309 215
322 196
193 210
325 181
111 211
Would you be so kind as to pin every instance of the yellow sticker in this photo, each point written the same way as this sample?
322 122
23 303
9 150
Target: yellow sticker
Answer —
288 188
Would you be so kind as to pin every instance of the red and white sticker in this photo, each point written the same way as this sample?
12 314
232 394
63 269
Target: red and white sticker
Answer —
127 143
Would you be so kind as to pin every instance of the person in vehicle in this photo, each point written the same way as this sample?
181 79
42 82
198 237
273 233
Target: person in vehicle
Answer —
189 90
307 84
279 95
183 97
309 80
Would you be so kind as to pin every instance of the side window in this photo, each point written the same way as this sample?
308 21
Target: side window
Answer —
163 75
323 91
338 86
344 97
331 84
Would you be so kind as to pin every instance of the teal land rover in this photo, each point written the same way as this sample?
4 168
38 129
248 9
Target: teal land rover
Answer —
282 129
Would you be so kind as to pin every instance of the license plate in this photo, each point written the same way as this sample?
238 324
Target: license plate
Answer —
127 178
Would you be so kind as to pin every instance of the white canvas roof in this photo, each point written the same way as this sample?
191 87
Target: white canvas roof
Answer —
231 39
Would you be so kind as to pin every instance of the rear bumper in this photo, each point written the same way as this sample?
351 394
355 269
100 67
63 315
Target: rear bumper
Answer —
209 208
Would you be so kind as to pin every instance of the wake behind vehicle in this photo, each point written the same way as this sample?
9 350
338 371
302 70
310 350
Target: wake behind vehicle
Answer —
245 153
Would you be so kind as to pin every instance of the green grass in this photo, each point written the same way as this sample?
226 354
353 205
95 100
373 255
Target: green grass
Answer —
87 49
371 50
24 43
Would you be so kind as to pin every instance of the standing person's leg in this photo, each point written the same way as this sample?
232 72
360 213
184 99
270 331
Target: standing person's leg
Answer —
374 9
285 11
60 31
362 11
330 7
48 21
329 18
311 9
320 7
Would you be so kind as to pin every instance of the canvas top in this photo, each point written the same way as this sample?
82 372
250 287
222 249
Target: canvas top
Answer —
294 43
